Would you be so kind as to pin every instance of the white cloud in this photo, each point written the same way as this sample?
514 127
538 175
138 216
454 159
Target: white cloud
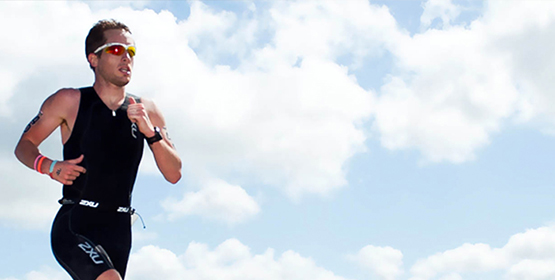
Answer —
527 255
326 30
452 276
213 33
288 115
385 262
443 9
467 258
292 127
233 260
532 269
99 6
229 260
525 34
455 87
29 72
27 201
216 200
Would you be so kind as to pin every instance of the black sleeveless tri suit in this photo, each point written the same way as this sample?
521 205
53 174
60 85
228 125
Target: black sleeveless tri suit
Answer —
92 230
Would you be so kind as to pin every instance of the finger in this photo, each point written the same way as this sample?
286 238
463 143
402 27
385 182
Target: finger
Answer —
132 100
77 160
74 174
131 115
79 169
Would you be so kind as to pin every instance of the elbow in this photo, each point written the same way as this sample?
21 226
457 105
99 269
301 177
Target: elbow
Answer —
172 173
174 178
17 151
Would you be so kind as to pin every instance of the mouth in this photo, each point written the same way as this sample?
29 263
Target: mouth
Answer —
125 70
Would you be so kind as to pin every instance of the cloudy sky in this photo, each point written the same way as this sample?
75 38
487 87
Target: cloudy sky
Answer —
322 140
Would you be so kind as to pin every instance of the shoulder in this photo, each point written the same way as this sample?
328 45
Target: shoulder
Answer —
62 104
149 104
69 93
147 101
64 97
153 111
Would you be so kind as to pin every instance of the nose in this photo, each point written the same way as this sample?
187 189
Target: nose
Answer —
127 56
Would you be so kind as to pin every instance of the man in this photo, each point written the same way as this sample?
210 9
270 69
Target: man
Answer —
103 132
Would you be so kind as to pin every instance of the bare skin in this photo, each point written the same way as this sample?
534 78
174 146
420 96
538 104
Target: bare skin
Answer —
111 274
112 74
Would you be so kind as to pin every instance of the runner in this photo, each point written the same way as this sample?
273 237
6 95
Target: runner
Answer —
103 132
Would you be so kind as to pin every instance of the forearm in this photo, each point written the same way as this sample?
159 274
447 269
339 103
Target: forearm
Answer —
27 152
52 114
149 118
167 160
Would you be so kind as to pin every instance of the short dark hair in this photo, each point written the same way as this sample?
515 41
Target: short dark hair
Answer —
97 38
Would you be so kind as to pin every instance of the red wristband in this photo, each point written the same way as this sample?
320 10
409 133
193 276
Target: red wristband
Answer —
40 164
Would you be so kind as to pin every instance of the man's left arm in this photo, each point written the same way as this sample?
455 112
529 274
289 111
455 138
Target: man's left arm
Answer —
147 116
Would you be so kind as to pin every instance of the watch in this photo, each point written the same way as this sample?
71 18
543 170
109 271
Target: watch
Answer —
157 136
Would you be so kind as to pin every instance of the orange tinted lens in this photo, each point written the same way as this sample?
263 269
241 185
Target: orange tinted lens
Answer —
115 50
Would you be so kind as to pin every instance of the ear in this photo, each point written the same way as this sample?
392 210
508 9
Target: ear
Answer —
93 60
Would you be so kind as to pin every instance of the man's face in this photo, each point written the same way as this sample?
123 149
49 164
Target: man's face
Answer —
113 68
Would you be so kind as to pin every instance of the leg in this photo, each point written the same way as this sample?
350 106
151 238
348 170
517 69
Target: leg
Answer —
111 274
99 254
78 255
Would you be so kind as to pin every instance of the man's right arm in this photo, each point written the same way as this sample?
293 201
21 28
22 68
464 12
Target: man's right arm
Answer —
53 113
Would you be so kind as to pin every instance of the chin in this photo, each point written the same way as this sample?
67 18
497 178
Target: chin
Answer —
122 83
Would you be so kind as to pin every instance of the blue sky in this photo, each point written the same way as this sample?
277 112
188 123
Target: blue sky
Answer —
320 139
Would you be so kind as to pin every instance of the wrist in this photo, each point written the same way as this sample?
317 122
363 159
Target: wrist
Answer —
42 164
51 167
45 165
151 132
156 136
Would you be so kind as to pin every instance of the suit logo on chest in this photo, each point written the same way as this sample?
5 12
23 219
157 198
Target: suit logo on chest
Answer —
134 130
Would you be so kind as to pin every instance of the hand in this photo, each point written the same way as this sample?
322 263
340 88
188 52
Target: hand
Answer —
136 112
67 171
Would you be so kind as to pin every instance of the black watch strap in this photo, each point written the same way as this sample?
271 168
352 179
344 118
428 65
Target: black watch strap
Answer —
157 136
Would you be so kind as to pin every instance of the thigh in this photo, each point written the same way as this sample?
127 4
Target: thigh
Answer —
112 231
82 258
111 274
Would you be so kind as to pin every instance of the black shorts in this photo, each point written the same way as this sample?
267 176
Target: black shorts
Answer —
87 242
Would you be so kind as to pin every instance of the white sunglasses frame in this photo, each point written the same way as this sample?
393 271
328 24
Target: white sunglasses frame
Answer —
115 44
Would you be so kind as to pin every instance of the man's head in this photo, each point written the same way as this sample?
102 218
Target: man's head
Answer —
97 35
110 50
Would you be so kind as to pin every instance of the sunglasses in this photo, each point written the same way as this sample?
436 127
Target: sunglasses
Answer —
117 49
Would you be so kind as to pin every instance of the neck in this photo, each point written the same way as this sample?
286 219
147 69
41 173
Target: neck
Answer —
113 96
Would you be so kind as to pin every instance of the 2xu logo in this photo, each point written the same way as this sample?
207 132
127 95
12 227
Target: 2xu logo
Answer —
88 203
134 130
94 255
